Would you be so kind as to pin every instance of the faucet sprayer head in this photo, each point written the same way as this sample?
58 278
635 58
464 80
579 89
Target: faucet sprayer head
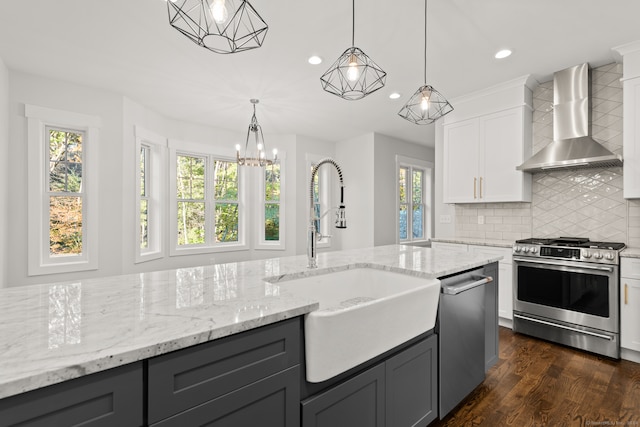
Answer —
341 219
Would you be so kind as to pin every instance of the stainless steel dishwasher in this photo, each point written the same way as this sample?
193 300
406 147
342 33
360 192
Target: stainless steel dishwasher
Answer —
461 335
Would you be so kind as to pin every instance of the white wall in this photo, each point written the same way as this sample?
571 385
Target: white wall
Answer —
386 149
356 157
4 172
30 89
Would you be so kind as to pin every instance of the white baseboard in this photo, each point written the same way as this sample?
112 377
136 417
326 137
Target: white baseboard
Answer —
632 355
507 323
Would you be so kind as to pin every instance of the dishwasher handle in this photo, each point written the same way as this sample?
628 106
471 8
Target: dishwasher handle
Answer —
465 286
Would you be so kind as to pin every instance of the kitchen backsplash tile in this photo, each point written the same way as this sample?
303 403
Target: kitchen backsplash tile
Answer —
581 202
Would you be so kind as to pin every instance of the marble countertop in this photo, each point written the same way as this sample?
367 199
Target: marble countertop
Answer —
470 241
54 332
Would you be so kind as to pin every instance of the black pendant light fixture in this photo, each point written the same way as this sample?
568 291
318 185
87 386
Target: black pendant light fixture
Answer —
222 26
256 154
354 75
426 105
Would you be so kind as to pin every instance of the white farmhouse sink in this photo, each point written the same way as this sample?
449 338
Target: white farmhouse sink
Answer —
363 313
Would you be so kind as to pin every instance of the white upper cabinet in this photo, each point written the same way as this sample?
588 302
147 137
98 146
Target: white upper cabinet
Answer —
631 118
485 138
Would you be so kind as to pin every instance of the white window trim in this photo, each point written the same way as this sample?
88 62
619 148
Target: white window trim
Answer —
427 196
157 184
177 147
39 261
326 185
261 243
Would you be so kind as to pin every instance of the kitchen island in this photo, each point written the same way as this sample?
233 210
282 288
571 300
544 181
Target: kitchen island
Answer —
56 332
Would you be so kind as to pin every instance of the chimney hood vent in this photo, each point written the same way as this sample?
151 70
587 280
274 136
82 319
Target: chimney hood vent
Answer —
572 145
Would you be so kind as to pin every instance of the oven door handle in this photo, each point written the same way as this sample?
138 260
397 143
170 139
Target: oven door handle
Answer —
568 268
531 319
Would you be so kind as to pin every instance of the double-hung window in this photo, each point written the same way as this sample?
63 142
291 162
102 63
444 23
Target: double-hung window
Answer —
413 201
207 201
63 199
150 195
270 219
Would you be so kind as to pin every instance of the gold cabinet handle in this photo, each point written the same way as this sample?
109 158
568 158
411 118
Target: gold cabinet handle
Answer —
481 187
475 181
626 299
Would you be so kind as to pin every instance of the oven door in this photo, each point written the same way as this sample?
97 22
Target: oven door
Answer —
579 293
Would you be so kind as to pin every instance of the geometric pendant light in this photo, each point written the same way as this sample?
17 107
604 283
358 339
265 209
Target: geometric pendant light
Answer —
426 105
354 75
222 26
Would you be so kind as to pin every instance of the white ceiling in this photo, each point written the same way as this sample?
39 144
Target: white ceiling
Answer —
128 47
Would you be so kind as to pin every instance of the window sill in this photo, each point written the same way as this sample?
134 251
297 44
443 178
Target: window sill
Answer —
207 249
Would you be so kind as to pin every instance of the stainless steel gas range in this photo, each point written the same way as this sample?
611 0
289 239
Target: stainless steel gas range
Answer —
566 290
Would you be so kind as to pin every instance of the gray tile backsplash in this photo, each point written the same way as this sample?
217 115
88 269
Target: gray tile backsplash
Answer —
582 202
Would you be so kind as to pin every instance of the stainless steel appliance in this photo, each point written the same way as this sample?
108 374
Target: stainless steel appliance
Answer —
461 334
566 290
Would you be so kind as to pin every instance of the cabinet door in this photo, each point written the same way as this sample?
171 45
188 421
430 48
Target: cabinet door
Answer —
412 380
273 401
505 275
105 399
505 291
631 138
359 401
630 314
501 145
189 377
461 152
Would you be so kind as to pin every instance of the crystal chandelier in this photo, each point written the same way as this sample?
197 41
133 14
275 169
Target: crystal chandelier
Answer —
222 26
354 75
426 105
256 155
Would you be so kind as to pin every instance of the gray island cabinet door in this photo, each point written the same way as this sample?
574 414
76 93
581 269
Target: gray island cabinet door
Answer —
105 399
358 401
412 385
271 402
208 379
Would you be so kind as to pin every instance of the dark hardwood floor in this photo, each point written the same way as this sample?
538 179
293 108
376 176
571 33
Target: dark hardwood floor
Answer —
537 383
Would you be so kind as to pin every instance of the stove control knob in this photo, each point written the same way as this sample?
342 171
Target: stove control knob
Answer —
517 249
525 249
533 250
597 255
586 254
609 256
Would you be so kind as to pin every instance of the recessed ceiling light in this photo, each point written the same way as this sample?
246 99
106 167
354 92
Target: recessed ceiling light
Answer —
394 95
502 53
315 60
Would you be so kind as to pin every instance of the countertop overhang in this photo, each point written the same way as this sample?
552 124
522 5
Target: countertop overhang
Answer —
55 332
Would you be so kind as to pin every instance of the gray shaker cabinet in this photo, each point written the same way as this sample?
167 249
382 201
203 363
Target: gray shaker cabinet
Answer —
400 391
104 399
251 377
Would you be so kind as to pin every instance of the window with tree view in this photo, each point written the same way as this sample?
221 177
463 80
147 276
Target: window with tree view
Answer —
272 202
65 191
226 200
208 202
144 197
191 199
411 215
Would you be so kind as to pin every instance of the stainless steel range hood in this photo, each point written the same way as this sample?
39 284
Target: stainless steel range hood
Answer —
572 145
